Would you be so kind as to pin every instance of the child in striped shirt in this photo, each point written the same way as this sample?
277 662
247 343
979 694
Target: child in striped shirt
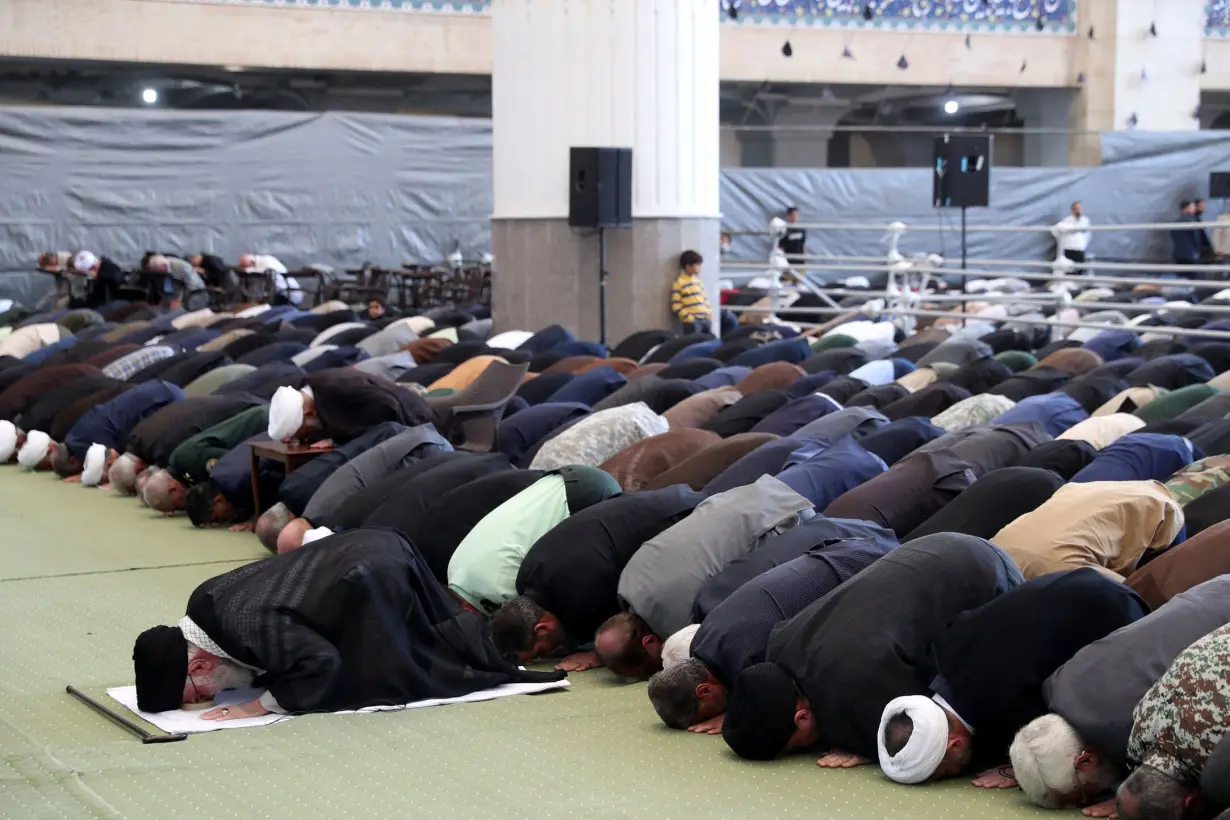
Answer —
688 300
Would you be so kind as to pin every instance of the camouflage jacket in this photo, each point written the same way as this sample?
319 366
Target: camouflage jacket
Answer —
1199 478
1181 719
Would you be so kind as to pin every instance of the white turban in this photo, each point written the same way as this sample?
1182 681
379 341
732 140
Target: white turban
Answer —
92 469
925 749
285 413
8 440
678 647
316 535
34 450
83 261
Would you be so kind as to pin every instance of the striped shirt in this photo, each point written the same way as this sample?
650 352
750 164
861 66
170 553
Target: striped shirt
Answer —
688 299
125 367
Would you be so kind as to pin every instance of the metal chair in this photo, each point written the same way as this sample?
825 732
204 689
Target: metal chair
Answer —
469 417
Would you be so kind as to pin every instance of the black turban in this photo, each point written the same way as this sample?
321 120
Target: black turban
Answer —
760 713
160 658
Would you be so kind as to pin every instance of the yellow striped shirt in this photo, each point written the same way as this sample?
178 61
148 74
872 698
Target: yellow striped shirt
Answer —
688 299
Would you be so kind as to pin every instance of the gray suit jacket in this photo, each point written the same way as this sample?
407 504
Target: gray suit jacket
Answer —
662 579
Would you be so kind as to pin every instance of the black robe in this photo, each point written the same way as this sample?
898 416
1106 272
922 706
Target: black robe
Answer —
446 523
349 402
403 511
992 503
351 621
573 570
867 642
363 502
991 663
157 436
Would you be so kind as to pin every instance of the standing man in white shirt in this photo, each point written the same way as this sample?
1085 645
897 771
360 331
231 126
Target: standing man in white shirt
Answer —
1072 234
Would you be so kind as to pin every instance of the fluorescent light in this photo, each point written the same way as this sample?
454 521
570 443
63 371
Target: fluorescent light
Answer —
952 107
149 96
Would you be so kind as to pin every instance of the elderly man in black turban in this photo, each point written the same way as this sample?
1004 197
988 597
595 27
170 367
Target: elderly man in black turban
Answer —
350 621
831 669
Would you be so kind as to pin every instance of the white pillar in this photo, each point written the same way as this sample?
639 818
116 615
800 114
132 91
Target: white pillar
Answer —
639 74
611 73
1132 78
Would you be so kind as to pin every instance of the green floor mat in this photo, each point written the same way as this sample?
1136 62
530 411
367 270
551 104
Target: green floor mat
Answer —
82 572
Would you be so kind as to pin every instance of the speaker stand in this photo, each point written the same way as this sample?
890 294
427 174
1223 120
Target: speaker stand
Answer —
964 254
602 286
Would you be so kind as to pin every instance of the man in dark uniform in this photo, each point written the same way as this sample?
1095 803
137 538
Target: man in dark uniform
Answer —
352 621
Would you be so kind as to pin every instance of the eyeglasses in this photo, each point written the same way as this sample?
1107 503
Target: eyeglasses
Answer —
198 697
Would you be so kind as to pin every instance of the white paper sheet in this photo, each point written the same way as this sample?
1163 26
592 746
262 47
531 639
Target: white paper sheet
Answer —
189 722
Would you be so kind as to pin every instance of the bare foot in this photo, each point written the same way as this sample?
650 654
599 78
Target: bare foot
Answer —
1104 809
246 526
106 485
841 760
1000 777
321 445
579 662
712 726
73 479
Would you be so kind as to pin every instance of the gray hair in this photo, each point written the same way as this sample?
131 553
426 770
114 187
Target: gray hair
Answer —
271 523
123 474
512 625
1043 755
1148 794
144 475
157 491
673 692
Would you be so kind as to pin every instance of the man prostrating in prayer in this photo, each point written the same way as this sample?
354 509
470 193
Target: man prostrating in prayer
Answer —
350 621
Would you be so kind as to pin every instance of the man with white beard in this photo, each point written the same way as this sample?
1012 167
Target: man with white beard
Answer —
350 621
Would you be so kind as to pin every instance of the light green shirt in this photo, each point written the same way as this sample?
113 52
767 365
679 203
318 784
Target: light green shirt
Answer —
484 568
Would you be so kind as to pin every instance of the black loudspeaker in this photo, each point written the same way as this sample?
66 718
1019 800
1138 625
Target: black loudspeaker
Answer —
1219 185
962 171
600 193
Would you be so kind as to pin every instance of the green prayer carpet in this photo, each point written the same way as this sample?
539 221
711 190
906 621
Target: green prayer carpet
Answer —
83 571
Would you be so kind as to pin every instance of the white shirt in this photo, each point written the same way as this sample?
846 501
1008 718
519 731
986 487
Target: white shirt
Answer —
1072 233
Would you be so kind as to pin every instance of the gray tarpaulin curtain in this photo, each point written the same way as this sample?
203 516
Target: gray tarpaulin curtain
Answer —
333 188
1142 180
343 188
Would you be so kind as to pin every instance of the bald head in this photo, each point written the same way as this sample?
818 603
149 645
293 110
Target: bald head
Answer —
291 536
628 647
271 523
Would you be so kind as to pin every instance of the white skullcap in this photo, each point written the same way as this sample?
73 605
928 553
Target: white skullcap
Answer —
34 450
925 749
92 469
8 440
678 647
316 535
83 261
285 413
